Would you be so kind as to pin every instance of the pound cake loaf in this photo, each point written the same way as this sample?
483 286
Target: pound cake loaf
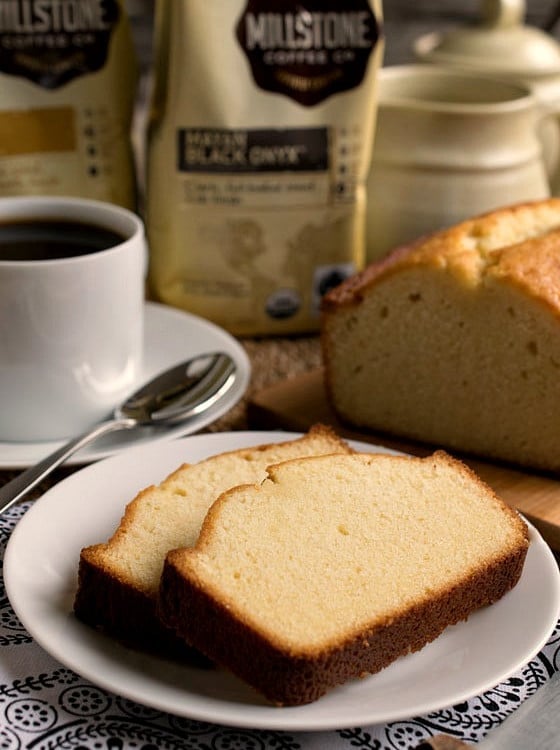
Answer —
118 580
335 566
455 340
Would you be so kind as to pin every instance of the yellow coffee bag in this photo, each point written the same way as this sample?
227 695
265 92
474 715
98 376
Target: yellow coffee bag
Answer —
67 90
259 145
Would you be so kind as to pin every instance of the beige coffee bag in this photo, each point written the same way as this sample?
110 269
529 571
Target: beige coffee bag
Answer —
259 145
67 90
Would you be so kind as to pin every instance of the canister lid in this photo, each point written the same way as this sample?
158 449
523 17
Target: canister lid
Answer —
499 44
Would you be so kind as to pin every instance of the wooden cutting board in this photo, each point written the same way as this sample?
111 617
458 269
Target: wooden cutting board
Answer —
300 402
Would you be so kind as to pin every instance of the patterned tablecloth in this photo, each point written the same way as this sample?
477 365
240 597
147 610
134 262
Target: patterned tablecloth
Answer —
44 705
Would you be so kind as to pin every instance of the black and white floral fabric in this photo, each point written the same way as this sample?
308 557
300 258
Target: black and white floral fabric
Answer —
44 706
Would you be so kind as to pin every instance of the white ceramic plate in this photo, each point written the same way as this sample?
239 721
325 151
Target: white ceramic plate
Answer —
40 576
170 337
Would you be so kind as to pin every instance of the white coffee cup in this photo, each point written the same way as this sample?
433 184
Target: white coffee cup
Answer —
71 328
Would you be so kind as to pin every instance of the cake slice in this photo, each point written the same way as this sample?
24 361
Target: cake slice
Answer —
455 340
118 580
335 566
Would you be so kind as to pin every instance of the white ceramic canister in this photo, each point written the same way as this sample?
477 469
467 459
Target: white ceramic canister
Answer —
448 145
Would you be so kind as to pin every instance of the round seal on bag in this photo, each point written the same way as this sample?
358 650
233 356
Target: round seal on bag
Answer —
310 53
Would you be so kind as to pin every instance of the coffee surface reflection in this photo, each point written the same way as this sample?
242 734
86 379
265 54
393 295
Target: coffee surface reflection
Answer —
52 239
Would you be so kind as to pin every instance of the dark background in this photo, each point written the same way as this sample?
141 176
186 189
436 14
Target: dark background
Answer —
405 20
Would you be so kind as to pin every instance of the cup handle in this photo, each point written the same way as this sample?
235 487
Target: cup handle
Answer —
548 126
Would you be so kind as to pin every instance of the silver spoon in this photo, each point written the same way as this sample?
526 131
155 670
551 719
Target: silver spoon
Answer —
173 396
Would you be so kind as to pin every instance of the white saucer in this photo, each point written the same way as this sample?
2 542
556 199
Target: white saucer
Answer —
170 336
40 575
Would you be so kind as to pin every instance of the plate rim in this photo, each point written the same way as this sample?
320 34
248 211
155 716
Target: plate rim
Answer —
256 716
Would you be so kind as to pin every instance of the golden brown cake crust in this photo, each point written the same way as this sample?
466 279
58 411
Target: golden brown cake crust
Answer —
112 602
533 264
295 679
454 340
99 603
206 617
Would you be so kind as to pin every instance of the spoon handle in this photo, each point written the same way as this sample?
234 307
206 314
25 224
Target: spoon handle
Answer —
13 491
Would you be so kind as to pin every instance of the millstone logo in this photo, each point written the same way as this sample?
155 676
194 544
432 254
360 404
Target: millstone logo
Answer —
51 42
308 50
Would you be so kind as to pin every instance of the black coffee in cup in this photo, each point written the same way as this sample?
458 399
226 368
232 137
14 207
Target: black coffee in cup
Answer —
51 239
